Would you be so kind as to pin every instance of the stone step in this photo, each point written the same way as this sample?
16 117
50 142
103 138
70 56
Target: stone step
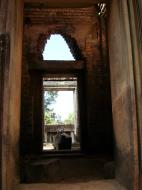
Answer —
65 170
90 185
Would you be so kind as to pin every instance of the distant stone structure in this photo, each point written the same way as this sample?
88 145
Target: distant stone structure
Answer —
51 132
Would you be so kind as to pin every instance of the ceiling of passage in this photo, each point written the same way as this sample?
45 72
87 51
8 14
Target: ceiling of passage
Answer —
66 3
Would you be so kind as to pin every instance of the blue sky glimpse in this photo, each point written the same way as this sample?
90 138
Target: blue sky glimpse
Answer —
56 48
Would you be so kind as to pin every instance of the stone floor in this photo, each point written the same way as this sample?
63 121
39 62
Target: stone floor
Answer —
91 185
64 170
76 173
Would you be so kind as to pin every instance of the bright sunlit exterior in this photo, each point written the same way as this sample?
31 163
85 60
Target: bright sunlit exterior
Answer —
56 48
60 101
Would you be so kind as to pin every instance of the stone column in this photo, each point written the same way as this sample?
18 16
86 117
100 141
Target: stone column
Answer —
11 19
135 13
123 94
3 20
76 119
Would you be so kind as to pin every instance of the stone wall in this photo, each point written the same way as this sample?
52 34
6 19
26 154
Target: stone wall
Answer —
83 26
123 95
11 29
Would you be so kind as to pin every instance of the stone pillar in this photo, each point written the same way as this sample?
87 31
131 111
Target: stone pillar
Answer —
123 94
76 119
135 13
11 19
3 20
4 67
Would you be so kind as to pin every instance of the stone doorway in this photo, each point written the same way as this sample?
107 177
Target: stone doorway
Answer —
61 117
126 142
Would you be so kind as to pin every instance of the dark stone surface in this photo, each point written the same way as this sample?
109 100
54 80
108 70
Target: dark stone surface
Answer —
63 170
109 170
94 99
63 142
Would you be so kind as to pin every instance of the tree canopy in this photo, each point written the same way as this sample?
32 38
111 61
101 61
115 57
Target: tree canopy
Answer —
50 117
49 99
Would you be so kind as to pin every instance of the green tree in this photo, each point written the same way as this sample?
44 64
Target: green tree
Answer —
69 119
49 99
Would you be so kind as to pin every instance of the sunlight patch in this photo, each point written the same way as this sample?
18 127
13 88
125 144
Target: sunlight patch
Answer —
56 48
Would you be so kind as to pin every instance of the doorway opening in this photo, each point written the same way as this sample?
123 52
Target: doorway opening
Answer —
60 119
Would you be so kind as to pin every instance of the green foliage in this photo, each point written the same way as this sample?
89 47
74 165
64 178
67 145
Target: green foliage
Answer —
50 116
69 119
49 99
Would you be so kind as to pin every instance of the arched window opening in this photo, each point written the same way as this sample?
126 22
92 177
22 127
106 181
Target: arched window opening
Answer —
56 48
